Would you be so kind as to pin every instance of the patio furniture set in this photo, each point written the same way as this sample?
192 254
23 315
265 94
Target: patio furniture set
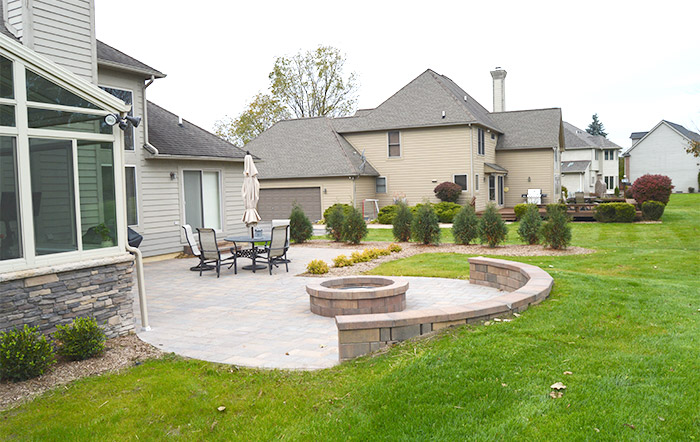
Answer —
265 250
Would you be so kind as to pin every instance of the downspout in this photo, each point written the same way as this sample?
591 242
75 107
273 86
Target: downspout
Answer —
146 144
471 161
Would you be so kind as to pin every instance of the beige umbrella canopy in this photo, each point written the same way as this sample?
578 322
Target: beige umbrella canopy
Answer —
250 191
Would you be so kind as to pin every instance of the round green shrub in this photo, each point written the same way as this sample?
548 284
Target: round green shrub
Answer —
354 227
446 211
492 228
300 228
345 207
387 213
520 210
465 227
425 227
24 354
80 340
614 213
334 221
448 191
530 226
317 267
556 232
402 223
652 210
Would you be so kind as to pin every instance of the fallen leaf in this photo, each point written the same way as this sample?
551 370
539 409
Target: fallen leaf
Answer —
213 425
504 385
551 266
497 319
556 394
221 408
558 386
630 425
568 372
286 353
596 430
517 315
661 419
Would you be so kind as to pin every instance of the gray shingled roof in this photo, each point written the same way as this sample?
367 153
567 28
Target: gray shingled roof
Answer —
686 133
496 167
306 147
108 56
575 138
574 166
188 140
637 135
420 103
529 129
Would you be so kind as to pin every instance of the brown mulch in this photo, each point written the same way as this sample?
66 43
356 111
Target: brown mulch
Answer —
410 249
119 353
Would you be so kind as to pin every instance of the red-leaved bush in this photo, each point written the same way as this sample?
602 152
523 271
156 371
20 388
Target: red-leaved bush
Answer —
448 191
652 187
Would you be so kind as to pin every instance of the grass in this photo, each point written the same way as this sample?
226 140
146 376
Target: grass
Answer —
624 320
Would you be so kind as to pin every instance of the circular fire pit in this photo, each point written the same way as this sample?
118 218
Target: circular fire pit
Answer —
356 295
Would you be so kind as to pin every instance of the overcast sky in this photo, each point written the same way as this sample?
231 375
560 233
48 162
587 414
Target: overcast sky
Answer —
633 63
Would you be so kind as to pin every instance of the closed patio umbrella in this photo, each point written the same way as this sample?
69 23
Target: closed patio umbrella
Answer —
250 191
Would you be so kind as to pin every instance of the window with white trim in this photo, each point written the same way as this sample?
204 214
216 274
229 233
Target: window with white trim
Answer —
461 181
609 154
394 144
380 184
610 182
481 150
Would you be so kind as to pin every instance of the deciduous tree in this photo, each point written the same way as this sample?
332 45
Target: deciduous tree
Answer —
261 113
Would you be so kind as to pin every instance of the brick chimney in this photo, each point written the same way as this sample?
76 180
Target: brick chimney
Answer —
499 89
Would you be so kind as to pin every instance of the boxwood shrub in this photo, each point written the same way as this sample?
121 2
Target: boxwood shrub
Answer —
520 210
317 267
345 207
24 354
446 211
80 340
387 213
652 210
614 213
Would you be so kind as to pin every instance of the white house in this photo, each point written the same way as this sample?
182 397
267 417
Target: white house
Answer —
588 159
662 151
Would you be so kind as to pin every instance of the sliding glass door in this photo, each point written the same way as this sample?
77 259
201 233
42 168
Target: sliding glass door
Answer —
202 199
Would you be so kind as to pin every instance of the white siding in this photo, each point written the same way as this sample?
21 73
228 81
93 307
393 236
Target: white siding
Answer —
663 152
13 15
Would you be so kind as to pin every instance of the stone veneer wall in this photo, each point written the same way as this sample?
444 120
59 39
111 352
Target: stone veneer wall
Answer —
526 285
56 295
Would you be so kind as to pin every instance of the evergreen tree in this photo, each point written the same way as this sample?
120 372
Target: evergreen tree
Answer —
556 232
596 127
465 227
334 223
530 225
300 228
354 227
425 227
402 222
492 229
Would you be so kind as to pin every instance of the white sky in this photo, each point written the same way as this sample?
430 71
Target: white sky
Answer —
632 62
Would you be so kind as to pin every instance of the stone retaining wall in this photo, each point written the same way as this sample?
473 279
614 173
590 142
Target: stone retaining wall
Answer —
526 285
55 296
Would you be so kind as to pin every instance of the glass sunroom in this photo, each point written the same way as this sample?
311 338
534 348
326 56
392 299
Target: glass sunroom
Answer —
61 166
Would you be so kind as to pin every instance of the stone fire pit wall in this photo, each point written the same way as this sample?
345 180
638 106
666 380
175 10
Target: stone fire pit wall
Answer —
526 285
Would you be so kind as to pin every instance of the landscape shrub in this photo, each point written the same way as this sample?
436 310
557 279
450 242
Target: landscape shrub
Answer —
446 211
387 213
80 340
448 191
520 210
354 227
628 192
556 206
492 228
652 187
402 223
614 213
556 232
342 261
691 189
358 256
565 191
465 227
617 191
530 227
345 208
394 248
384 252
425 227
335 219
652 210
300 228
371 253
24 354
317 267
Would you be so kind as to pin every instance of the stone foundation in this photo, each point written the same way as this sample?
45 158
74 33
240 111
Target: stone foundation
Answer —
56 295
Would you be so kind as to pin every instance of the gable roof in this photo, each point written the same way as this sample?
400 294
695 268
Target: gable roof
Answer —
688 134
111 57
529 129
575 138
574 166
186 141
637 135
306 147
420 103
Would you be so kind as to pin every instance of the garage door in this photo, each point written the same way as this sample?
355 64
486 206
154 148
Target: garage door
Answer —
277 203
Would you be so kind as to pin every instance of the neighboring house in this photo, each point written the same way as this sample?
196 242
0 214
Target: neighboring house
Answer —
588 159
428 132
662 151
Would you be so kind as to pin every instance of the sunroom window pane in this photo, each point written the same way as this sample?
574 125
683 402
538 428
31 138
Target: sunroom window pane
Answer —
41 90
10 244
98 213
7 115
72 121
51 170
7 89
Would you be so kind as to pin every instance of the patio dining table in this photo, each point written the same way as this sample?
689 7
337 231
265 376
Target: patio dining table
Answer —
251 253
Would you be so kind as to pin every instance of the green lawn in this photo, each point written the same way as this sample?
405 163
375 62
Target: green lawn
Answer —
625 321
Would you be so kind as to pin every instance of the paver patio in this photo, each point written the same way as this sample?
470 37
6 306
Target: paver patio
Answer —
259 320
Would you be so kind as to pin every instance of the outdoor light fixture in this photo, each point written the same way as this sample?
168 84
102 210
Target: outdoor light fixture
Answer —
112 119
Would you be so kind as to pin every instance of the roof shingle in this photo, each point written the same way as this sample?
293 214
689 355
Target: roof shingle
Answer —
528 129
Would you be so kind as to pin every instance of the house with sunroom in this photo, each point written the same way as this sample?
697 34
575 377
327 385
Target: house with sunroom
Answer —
428 132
